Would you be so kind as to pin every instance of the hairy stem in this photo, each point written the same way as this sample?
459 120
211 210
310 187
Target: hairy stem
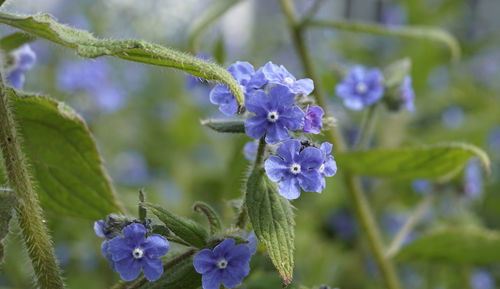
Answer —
259 158
35 234
398 241
360 203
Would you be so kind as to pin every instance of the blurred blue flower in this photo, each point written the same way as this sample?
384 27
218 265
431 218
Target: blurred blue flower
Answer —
23 60
253 242
328 167
481 279
453 117
109 98
131 168
407 94
295 169
275 115
494 140
273 74
250 150
394 14
227 263
392 222
361 87
473 179
313 120
134 252
222 96
63 253
421 186
343 224
193 81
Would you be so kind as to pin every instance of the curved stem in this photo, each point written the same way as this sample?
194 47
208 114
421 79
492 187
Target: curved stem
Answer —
398 241
35 234
362 208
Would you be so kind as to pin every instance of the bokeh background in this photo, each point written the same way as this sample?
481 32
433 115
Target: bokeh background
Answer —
146 122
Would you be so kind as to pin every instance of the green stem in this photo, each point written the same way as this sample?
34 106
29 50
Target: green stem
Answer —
422 207
362 208
367 128
35 234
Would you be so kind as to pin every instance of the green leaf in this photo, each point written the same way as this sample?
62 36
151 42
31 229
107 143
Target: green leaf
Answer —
219 50
209 16
272 219
211 214
7 203
88 46
417 32
225 126
188 230
15 40
395 73
455 246
431 162
64 158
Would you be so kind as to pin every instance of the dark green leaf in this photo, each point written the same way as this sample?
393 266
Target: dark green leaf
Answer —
227 126
455 246
64 158
430 162
272 219
86 45
7 203
188 230
15 40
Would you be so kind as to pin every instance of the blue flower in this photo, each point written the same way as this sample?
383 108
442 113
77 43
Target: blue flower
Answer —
250 150
343 224
313 120
226 263
134 252
99 229
453 117
473 181
253 242
274 74
275 115
295 169
481 279
407 94
421 186
222 96
361 87
329 167
24 59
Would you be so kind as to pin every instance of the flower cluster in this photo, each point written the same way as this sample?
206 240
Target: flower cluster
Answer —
133 252
23 60
271 96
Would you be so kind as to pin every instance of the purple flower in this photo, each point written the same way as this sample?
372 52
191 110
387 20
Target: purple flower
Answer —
453 117
24 59
295 169
481 279
222 96
134 252
253 242
329 167
226 263
407 94
313 119
250 150
361 87
87 75
275 115
109 98
274 74
99 229
473 182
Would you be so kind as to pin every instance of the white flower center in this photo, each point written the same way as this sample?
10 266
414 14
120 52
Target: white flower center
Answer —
321 169
137 253
272 116
295 168
243 88
288 81
222 264
361 87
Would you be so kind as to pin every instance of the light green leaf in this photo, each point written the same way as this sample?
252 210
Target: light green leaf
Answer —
455 246
7 203
88 46
431 162
64 158
225 126
272 219
15 40
186 229
209 16
417 32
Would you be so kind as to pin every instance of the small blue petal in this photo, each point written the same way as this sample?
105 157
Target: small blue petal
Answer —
253 242
205 261
276 168
289 188
255 127
120 249
129 268
220 250
232 276
16 78
310 158
153 268
310 181
155 246
212 279
99 229
134 233
289 151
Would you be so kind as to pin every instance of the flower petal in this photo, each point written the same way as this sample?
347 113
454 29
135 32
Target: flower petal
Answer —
212 279
255 126
99 229
233 275
292 118
204 261
238 254
305 86
155 246
289 188
276 133
253 242
289 150
257 103
129 268
153 268
120 249
242 71
330 167
221 250
280 96
276 168
310 158
310 181
326 148
134 234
